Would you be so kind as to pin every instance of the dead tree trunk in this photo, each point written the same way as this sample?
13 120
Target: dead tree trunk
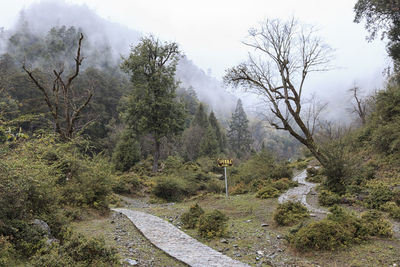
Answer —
63 107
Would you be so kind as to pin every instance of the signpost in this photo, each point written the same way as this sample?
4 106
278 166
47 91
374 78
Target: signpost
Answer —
225 163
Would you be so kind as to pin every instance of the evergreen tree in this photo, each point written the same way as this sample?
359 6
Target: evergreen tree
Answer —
219 134
238 134
200 118
209 143
152 107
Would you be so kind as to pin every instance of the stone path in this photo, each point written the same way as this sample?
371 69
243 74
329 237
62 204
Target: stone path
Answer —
176 243
300 193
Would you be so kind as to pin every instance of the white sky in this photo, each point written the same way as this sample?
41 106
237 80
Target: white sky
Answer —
210 31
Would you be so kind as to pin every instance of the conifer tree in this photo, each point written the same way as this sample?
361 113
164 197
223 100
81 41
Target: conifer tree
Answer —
200 117
238 134
219 134
209 143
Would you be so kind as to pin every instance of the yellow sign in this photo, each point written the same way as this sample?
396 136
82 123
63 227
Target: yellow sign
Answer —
225 162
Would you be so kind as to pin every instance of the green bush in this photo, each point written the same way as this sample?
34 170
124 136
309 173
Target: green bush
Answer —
320 235
393 209
267 192
327 198
290 213
376 225
212 224
191 218
284 184
378 194
215 186
126 152
7 252
396 196
315 179
77 250
170 188
340 229
127 183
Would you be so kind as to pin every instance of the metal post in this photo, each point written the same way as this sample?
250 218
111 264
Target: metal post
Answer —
226 183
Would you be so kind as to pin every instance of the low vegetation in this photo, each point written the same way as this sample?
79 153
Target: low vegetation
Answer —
290 213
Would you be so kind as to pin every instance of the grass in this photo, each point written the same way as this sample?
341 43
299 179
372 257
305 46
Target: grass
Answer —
246 237
130 243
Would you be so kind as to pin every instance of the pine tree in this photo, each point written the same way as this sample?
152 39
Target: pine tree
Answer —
200 118
238 134
219 134
152 107
209 143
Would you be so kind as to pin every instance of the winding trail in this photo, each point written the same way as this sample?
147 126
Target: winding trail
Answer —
300 193
177 243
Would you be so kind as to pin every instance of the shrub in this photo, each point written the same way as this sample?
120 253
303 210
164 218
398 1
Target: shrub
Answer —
212 224
215 187
126 183
284 184
238 189
320 235
7 252
267 192
126 152
327 198
378 194
191 218
376 225
77 250
312 171
170 188
392 208
290 213
315 179
396 196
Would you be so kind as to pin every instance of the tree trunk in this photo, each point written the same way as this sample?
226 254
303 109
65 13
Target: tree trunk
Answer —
156 155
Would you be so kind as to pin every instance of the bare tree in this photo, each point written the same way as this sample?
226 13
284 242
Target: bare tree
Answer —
284 54
360 105
64 104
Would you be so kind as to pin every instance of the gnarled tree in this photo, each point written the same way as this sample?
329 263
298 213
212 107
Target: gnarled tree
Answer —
284 53
64 103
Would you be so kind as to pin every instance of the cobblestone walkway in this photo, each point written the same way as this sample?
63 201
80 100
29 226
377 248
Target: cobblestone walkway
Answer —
300 193
176 243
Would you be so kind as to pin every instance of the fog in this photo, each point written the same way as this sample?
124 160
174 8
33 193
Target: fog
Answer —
210 35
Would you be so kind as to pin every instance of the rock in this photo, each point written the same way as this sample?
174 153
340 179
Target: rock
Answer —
131 262
43 226
280 250
223 240
278 237
248 221
264 225
235 245
112 221
258 258
313 215
260 253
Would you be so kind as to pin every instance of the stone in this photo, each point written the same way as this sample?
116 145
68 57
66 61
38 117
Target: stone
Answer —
260 253
235 245
313 215
131 262
223 240
248 221
112 221
264 225
278 237
43 226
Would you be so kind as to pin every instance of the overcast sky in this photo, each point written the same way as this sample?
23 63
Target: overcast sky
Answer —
210 32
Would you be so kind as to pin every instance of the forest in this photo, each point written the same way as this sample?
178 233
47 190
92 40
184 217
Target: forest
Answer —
83 131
